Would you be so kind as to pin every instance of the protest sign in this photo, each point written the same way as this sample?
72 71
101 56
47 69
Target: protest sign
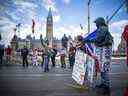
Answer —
79 68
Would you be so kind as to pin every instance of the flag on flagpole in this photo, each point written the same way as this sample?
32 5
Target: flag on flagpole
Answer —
33 25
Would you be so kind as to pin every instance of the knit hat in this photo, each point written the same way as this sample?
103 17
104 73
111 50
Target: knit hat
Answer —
100 20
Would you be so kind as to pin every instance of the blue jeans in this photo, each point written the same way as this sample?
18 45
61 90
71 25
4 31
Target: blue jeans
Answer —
71 60
46 63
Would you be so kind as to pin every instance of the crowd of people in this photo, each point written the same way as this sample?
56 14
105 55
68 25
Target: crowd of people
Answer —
49 54
5 52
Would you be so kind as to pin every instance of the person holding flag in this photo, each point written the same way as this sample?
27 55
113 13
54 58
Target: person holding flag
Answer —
125 36
103 43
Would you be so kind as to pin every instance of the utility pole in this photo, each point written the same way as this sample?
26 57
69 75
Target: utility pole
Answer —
89 1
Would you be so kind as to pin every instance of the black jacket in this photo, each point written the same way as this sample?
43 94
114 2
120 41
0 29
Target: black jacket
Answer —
24 52
103 37
1 51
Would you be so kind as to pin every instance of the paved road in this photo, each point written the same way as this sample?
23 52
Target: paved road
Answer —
32 81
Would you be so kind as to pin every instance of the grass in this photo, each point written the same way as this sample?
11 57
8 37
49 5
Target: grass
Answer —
79 88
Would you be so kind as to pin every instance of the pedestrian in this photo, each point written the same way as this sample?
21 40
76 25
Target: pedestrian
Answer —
34 57
70 40
24 54
1 54
46 58
53 55
8 52
42 55
62 57
103 43
125 36
64 41
72 51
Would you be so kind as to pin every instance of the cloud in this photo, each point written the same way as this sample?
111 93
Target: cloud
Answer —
66 1
23 13
6 30
27 10
72 30
56 18
119 24
50 4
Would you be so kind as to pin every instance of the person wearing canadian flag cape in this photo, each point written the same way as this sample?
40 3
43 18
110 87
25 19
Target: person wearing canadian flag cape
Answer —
125 36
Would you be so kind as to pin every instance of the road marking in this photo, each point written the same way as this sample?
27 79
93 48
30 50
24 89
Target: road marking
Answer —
48 74
33 75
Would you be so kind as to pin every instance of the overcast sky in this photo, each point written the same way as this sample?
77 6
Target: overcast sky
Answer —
67 16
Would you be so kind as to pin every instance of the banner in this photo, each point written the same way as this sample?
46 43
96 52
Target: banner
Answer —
79 68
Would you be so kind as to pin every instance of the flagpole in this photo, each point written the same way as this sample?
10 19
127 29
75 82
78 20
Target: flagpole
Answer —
33 27
109 19
89 1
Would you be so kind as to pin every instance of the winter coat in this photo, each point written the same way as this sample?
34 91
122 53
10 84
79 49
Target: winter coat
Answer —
24 52
103 37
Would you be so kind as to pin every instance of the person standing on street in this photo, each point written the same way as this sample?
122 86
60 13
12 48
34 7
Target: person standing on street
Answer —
24 54
103 43
63 57
72 51
34 57
46 57
64 42
54 53
8 52
125 36
1 54
1 51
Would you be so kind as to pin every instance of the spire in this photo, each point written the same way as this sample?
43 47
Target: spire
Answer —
50 12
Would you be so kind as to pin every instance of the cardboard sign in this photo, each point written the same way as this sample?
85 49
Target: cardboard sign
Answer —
79 68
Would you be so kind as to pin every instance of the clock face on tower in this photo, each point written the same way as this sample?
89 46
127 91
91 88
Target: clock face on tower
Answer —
49 19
